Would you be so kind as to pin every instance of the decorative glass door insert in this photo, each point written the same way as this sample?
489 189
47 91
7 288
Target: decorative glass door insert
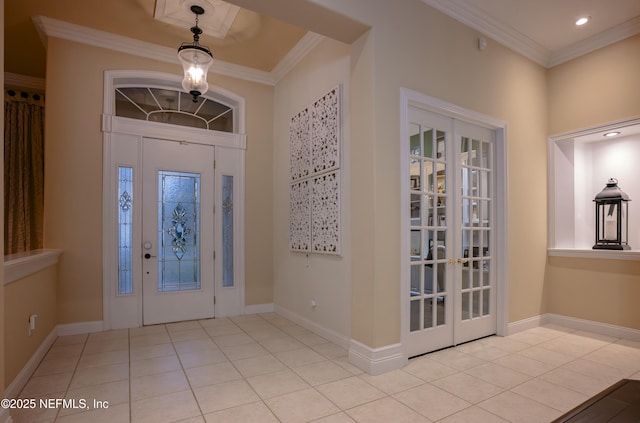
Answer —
178 231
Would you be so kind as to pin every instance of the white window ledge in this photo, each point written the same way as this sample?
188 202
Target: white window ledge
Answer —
597 254
18 266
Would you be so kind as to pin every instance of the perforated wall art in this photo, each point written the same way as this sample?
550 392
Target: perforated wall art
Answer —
300 216
314 142
299 145
325 211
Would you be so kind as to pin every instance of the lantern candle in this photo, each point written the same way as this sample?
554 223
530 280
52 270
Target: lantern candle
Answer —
611 224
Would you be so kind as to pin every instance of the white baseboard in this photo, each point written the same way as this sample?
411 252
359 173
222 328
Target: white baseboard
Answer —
376 361
259 308
80 328
5 417
577 324
22 378
314 327
525 324
595 327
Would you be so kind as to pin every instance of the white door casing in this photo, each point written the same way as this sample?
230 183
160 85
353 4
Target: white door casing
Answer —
457 123
122 147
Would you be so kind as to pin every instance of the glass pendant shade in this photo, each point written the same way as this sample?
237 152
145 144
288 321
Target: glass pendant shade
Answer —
196 62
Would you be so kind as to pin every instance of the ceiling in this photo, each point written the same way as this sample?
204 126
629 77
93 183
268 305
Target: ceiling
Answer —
541 30
253 40
544 30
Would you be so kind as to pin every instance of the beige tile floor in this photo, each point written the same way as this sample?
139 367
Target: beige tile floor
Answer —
265 368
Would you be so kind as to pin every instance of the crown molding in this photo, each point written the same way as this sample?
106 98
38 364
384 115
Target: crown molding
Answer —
480 21
296 54
603 39
518 42
23 81
49 27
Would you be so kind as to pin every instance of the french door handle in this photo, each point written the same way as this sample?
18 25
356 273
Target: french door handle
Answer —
463 261
148 256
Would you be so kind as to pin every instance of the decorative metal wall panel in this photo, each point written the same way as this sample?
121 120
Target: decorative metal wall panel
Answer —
325 146
300 217
300 145
325 210
314 141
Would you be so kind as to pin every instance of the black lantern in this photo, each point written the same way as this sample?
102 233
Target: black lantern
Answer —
612 226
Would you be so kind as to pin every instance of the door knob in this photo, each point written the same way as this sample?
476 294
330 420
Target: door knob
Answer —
148 256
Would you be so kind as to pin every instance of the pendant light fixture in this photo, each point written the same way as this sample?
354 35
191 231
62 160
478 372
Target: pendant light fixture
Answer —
195 60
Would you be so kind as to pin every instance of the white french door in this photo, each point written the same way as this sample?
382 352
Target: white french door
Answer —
452 286
177 231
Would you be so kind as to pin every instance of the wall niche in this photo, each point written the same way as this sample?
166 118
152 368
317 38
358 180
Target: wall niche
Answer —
580 164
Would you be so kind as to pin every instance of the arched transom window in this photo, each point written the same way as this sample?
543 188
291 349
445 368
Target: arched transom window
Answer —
167 105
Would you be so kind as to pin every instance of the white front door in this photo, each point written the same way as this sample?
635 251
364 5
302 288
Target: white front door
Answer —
452 295
177 231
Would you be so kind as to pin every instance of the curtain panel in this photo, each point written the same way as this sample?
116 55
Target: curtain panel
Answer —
23 171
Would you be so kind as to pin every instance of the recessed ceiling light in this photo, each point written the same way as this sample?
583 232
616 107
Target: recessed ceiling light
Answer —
583 20
611 134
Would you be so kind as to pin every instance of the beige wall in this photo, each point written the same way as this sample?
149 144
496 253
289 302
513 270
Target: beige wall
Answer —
595 89
34 294
419 48
73 180
605 291
299 277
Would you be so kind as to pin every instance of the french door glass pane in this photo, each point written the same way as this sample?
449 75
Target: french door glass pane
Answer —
427 150
428 313
429 274
428 173
466 305
178 231
486 298
125 233
415 179
415 316
415 280
441 306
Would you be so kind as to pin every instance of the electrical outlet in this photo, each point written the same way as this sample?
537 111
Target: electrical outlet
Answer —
32 323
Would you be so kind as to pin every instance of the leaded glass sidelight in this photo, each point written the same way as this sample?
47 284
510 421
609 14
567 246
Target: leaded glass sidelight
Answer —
125 233
227 231
178 231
